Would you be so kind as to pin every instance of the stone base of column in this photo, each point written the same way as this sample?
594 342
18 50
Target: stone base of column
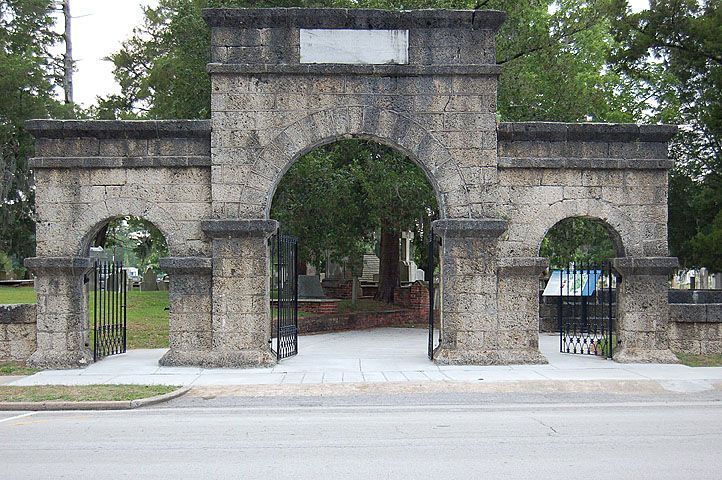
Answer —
215 359
644 355
452 356
60 360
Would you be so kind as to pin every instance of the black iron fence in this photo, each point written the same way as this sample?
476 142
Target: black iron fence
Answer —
434 249
109 299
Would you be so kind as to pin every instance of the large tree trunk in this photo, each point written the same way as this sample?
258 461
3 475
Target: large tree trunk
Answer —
389 264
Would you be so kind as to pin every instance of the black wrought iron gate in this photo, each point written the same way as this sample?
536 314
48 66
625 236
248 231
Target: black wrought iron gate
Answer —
434 244
586 309
109 296
284 294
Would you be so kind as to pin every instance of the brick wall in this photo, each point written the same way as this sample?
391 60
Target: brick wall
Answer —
17 332
319 307
361 320
337 288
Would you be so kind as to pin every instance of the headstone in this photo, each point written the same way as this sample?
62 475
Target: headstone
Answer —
703 279
163 284
309 286
149 283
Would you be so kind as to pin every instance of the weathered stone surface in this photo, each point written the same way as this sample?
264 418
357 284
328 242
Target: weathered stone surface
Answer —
488 227
238 228
208 186
17 332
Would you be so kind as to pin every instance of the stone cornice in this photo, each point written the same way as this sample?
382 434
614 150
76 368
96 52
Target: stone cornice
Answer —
119 129
67 265
227 228
584 132
361 19
120 162
645 265
187 265
523 265
471 227
349 69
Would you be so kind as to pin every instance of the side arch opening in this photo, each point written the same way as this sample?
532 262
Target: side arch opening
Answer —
578 292
128 299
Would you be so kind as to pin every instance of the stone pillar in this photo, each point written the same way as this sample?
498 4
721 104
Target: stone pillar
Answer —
643 309
518 322
62 312
469 309
190 319
241 292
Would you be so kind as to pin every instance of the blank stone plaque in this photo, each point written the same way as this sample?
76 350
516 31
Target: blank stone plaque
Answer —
365 47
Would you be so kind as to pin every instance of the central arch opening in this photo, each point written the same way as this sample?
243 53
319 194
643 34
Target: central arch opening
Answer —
362 214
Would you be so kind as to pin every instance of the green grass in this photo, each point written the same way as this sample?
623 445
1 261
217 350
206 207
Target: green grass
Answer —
713 360
15 368
147 319
17 295
49 393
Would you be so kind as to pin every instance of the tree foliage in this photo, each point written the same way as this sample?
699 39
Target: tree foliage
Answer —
136 242
578 240
341 198
675 48
29 73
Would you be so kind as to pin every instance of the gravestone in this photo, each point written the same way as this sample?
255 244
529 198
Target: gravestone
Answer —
309 286
149 284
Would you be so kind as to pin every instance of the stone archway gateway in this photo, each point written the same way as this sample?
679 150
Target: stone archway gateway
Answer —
287 80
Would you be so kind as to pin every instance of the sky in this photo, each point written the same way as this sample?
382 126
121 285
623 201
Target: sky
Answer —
99 28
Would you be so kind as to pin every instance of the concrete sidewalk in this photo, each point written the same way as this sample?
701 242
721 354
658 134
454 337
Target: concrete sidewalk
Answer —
376 356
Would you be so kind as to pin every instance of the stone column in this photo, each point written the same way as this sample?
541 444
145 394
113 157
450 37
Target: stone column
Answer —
190 319
469 309
241 292
518 325
643 309
62 311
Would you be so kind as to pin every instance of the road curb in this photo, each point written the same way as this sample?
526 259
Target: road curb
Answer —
94 405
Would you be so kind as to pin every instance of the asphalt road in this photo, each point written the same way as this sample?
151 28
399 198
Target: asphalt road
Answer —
588 441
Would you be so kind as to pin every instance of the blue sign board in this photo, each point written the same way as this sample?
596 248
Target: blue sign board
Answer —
572 283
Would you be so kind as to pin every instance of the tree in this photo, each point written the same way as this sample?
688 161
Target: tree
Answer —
138 242
29 73
342 197
577 240
675 48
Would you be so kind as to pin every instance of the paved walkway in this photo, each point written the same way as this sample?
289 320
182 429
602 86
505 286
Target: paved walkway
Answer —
372 356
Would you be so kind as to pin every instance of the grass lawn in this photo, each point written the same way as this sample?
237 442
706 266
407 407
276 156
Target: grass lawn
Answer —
14 368
147 319
714 360
43 393
147 315
17 295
